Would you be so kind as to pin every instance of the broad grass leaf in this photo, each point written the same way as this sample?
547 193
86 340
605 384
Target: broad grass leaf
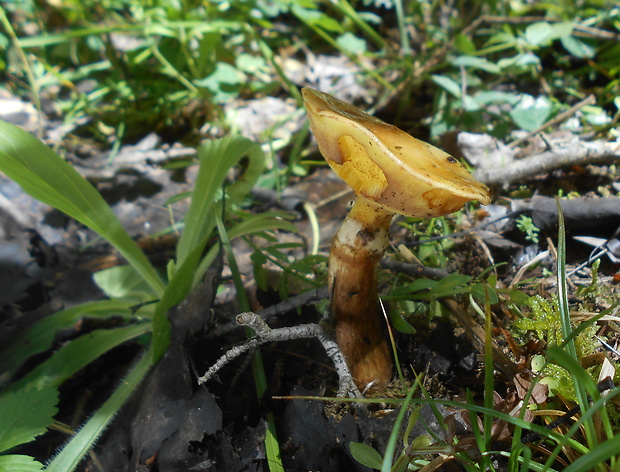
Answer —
518 297
543 33
216 158
250 63
48 178
464 44
521 63
539 34
450 282
484 292
224 82
470 104
416 286
77 354
25 414
493 96
400 324
317 18
122 282
39 336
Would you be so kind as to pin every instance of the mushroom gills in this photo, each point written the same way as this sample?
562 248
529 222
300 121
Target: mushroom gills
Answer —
364 176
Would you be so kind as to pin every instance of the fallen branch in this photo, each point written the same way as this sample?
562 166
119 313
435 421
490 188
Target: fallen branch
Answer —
579 213
579 153
264 334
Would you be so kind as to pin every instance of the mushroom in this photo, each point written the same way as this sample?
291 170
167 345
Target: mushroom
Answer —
391 173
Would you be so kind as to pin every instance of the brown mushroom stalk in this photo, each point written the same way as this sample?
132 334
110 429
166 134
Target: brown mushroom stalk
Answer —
390 173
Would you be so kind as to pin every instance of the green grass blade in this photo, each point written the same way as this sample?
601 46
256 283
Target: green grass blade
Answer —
580 388
351 13
272 447
217 157
73 453
597 456
122 282
523 462
473 408
145 29
402 29
567 327
77 354
390 449
48 178
489 369
366 455
586 383
34 85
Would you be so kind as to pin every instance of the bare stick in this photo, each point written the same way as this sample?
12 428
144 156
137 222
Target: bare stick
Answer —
294 302
264 334
579 153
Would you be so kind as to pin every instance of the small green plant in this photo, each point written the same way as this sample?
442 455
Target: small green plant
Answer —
526 225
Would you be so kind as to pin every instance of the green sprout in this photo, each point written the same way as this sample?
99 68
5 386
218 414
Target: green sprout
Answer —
527 226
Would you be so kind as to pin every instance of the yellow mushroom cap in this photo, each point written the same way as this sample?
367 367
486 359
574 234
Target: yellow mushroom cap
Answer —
386 165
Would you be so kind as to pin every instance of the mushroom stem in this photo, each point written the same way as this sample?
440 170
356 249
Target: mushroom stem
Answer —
356 251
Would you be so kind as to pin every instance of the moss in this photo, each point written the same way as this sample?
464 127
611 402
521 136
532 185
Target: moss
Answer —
545 322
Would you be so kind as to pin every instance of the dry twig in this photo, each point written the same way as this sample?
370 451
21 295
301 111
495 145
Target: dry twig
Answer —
264 334
579 153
